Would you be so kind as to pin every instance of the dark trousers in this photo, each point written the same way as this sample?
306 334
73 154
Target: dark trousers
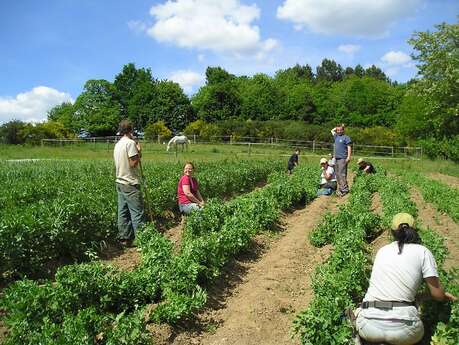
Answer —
341 175
130 210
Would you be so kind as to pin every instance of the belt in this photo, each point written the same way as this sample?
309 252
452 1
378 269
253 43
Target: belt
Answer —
385 304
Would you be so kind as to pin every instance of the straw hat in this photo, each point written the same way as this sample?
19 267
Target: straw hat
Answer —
401 218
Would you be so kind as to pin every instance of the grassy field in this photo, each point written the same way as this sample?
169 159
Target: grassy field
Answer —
210 152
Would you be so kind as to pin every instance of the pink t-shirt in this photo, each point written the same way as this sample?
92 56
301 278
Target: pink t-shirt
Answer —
186 180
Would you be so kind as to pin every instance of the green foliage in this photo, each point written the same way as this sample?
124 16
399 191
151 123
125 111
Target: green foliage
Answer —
53 213
445 198
438 64
10 132
341 281
444 148
65 114
159 128
97 109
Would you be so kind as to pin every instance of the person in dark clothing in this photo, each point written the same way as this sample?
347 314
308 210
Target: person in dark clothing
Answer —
293 161
365 166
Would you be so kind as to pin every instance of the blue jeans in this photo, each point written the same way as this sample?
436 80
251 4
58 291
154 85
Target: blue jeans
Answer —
188 208
130 210
325 191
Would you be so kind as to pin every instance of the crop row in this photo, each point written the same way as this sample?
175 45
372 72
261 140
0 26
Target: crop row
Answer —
445 198
440 319
59 212
343 279
87 303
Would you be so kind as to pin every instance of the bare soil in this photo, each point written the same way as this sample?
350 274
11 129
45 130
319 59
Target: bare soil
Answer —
447 179
441 223
260 293
384 237
126 260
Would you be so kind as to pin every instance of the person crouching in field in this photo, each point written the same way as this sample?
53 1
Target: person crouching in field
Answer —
365 166
189 198
388 313
127 155
293 161
327 178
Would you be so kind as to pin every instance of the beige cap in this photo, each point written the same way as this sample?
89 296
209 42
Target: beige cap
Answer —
360 160
401 218
323 160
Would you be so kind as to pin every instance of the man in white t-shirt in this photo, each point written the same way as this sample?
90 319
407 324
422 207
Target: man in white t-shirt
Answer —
388 313
127 155
327 178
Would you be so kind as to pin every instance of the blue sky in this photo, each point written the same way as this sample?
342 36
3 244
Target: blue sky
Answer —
49 49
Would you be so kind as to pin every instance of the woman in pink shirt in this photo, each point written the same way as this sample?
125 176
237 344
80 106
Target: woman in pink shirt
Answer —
189 198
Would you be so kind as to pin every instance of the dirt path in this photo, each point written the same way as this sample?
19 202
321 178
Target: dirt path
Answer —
384 238
447 179
265 292
440 222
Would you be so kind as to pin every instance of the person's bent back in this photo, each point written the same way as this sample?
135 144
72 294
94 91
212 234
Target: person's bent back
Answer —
388 313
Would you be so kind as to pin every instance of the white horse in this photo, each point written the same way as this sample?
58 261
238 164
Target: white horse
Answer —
178 140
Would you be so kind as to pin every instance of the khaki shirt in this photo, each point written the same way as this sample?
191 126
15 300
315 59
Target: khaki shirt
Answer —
126 148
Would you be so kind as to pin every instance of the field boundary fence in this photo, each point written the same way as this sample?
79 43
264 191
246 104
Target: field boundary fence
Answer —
250 144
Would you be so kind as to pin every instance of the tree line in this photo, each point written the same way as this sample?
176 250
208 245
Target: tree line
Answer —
293 102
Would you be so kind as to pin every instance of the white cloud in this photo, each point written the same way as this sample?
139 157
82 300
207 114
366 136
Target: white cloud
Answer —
31 106
349 48
187 79
223 27
137 26
348 17
396 58
201 57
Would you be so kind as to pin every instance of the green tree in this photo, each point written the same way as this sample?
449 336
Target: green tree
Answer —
329 70
172 105
159 128
10 132
217 75
413 118
65 114
34 133
295 74
217 102
437 56
97 109
259 98
376 72
136 92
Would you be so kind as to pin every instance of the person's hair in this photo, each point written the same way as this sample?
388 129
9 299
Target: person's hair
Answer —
405 234
297 150
186 163
125 127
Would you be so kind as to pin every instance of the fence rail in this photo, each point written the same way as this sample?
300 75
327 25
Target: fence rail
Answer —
313 146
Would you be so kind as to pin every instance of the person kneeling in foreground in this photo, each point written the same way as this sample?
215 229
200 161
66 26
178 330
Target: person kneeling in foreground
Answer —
189 198
327 179
388 313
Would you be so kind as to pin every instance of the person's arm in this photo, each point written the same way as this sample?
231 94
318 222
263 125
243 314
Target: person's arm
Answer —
187 190
436 290
367 168
328 174
333 131
349 153
134 160
198 195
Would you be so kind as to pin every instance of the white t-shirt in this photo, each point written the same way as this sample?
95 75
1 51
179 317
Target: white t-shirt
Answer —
397 278
124 149
329 170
